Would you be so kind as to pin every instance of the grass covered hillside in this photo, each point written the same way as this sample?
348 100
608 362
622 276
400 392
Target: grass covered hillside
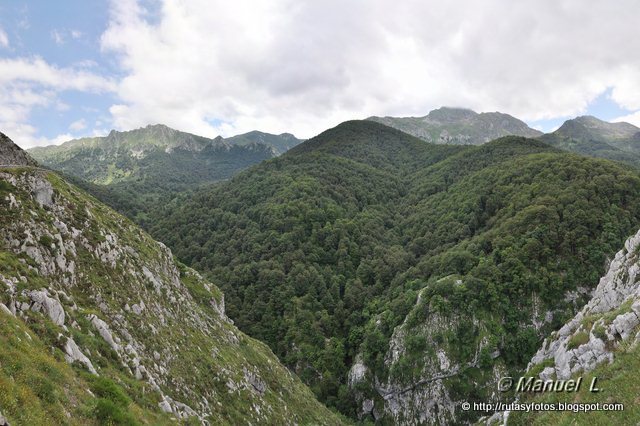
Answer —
100 325
398 278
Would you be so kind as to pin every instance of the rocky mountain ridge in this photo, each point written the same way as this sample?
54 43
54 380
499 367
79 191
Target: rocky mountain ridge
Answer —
280 143
139 170
610 318
136 154
11 154
591 136
459 126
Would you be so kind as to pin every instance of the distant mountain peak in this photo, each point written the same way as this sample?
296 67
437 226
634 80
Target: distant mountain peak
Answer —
278 143
451 114
592 136
459 126
603 128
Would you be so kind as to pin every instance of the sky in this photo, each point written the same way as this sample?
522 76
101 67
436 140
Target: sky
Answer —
211 67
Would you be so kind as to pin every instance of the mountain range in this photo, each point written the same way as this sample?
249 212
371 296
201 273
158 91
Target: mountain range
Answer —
396 278
147 152
584 135
459 126
147 166
399 278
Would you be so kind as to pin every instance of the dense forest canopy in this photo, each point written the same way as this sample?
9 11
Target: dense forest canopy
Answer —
322 252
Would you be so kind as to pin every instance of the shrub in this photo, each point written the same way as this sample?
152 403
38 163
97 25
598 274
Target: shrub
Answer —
578 340
108 413
105 388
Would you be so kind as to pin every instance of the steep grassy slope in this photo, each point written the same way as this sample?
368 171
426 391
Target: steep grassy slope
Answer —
398 278
38 388
147 337
459 126
590 136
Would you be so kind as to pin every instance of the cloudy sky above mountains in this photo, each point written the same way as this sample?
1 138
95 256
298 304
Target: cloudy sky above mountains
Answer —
212 67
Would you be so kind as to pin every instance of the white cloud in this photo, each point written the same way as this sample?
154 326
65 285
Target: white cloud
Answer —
26 135
60 36
57 36
633 118
29 83
78 125
287 65
4 39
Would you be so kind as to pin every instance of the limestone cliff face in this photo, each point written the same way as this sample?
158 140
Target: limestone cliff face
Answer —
609 319
608 325
106 298
608 322
423 371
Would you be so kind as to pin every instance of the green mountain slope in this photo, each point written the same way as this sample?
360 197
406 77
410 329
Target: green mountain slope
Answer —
100 325
398 278
459 126
133 171
280 143
589 136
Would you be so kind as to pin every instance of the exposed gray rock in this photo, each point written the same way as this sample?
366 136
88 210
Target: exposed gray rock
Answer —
43 192
165 406
367 406
357 372
547 373
617 289
11 154
6 310
103 329
138 308
178 409
3 420
52 307
73 353
257 384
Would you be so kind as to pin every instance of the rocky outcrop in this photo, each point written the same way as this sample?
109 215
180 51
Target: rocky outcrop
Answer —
52 307
424 368
12 155
73 354
591 338
610 318
3 421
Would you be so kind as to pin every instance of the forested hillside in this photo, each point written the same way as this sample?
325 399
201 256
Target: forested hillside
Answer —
398 277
